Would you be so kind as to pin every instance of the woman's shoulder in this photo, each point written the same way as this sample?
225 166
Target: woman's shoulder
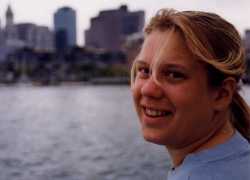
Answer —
229 161
228 169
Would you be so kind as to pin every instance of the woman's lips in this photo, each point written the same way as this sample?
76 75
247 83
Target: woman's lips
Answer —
153 116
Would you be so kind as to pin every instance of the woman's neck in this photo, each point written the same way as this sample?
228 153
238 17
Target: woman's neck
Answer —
211 140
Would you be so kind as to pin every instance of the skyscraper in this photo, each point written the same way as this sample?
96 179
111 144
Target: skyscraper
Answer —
65 28
110 28
36 37
1 35
247 41
9 17
10 30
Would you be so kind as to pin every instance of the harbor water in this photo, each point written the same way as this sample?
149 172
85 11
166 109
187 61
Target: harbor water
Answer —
75 133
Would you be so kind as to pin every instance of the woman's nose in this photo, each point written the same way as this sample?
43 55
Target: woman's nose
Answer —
152 89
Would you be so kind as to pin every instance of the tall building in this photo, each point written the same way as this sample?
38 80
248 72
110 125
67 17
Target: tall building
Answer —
8 38
247 41
9 16
110 28
35 37
27 33
65 27
1 35
10 30
44 38
15 36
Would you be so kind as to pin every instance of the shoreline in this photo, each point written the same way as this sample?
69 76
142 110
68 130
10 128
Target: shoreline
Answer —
93 81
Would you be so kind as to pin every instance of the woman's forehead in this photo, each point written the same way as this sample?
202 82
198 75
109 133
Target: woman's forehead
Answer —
164 47
156 41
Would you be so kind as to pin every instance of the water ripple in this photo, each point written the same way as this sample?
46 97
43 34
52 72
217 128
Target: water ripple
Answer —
74 133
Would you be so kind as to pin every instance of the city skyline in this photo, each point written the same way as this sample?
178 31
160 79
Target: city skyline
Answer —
41 12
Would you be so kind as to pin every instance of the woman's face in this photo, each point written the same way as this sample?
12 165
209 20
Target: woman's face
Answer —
178 111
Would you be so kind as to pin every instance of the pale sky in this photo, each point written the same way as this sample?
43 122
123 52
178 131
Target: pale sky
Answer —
41 12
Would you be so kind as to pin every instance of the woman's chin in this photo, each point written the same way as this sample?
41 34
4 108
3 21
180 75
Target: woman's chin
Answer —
154 138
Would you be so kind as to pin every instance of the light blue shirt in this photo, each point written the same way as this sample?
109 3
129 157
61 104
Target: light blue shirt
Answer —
228 161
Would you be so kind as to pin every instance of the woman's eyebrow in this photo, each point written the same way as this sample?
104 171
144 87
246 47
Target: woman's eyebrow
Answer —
141 62
173 65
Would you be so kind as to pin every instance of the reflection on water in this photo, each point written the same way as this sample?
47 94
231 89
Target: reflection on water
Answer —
74 133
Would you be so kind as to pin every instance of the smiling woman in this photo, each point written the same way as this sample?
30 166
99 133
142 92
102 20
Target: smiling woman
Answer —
185 86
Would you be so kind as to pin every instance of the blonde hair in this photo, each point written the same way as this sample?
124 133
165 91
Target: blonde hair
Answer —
214 41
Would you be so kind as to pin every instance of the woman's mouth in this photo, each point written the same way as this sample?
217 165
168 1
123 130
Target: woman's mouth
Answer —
155 117
151 112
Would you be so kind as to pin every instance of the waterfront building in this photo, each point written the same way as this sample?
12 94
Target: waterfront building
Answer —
8 35
246 79
9 16
27 34
110 28
10 32
1 35
35 37
44 39
65 28
247 40
133 45
16 36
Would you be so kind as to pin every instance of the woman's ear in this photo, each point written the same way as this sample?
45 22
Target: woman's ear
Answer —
224 94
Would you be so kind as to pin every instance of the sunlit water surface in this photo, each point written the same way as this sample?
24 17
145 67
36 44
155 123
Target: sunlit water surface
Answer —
75 133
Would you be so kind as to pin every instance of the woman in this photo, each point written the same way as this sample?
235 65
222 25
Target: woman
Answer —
185 87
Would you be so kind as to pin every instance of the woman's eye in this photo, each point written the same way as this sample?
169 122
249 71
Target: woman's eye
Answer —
175 76
143 72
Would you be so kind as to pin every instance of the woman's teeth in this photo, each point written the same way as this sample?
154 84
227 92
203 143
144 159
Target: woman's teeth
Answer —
155 113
